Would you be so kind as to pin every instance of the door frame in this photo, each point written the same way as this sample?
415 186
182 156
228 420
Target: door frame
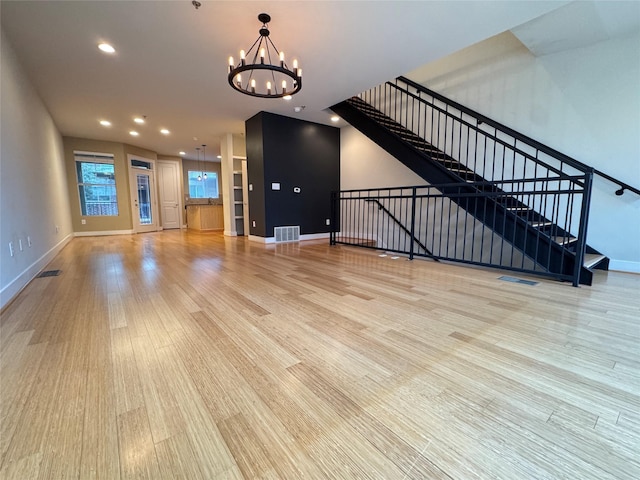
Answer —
133 195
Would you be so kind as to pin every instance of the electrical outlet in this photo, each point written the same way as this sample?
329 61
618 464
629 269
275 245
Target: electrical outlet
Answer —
29 241
253 224
11 248
83 221
20 244
327 221
57 228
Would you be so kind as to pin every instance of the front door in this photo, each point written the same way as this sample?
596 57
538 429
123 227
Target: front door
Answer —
143 200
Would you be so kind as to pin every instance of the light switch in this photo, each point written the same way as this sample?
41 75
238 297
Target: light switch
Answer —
275 186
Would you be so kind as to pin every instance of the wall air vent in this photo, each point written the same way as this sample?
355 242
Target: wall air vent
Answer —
287 234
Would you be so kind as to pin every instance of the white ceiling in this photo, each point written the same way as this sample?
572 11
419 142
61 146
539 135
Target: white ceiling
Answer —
171 60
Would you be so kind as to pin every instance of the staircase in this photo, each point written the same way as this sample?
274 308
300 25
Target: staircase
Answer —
527 194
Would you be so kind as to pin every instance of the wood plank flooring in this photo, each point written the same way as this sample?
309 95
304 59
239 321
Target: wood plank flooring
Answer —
191 355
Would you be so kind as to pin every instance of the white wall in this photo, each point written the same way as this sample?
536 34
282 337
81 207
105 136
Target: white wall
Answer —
584 102
33 186
363 164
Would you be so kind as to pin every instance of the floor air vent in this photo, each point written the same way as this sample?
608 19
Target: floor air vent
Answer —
49 273
287 234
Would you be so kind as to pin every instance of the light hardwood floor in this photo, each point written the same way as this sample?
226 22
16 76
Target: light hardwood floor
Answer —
190 355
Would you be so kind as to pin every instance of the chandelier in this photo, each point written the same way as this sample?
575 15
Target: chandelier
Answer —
262 71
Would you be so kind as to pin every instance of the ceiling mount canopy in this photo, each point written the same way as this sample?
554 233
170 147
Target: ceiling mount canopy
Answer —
262 70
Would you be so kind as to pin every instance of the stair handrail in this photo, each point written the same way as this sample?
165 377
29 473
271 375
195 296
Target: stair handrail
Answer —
520 136
399 223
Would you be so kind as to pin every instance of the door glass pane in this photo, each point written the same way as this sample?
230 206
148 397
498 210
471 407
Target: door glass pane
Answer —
144 199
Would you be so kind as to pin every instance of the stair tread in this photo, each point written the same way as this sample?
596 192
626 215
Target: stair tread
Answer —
564 240
540 224
591 259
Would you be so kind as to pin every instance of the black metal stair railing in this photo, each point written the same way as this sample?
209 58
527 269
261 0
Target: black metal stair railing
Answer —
502 178
451 222
411 235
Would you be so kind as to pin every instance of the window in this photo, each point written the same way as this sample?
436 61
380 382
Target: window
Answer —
205 187
96 184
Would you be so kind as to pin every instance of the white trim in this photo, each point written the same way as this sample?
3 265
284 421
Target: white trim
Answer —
230 233
624 266
270 240
101 233
97 157
314 236
13 288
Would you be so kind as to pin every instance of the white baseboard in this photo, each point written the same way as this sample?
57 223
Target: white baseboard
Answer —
13 288
103 232
624 266
258 239
314 236
230 233
269 240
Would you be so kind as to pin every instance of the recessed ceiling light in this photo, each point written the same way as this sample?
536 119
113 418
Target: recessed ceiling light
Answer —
106 48
133 133
335 118
219 156
139 120
164 131
182 153
105 123
287 97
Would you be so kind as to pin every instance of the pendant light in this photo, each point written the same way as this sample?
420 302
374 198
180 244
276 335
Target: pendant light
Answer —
204 159
198 153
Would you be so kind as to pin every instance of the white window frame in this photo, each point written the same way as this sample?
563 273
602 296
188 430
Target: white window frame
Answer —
94 157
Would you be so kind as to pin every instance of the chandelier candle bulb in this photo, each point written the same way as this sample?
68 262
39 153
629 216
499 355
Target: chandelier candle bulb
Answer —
239 80
262 55
253 85
231 63
282 59
242 55
269 88
284 86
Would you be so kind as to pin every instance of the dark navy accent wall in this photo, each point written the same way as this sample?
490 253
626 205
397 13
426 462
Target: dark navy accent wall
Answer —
293 153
